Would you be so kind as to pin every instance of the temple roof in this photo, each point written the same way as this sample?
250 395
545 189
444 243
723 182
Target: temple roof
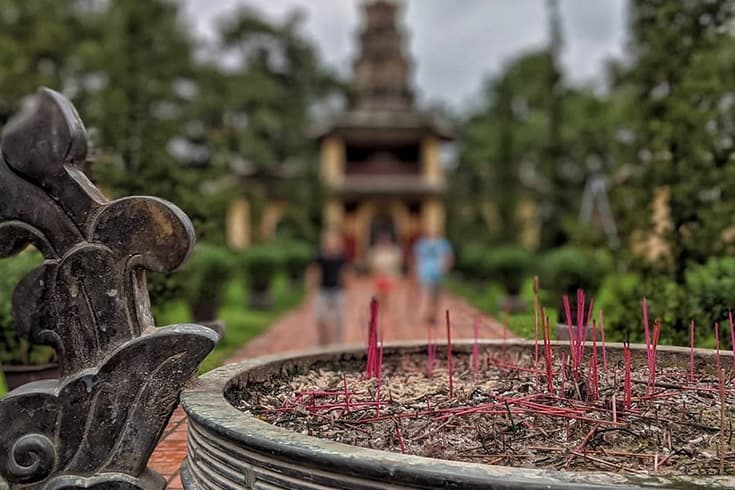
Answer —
353 124
387 185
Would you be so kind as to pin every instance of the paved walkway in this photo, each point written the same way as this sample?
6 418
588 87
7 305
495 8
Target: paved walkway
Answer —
400 320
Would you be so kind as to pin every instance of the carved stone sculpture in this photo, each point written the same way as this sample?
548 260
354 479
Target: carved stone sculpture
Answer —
120 375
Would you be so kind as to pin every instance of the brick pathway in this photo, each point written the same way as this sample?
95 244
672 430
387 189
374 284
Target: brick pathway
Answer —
400 321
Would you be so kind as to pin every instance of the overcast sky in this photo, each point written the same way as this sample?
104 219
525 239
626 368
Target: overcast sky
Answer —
456 44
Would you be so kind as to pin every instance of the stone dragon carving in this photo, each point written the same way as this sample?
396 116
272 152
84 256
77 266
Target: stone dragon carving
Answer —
121 376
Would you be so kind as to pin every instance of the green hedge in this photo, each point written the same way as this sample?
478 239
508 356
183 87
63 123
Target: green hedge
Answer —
296 257
201 281
262 261
206 273
471 262
566 269
706 296
710 292
508 266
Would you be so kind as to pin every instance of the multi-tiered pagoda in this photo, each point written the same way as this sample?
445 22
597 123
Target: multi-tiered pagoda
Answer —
380 160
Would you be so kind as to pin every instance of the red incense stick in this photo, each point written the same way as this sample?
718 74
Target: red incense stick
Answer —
347 394
656 334
371 369
646 331
568 314
475 347
400 439
563 374
580 321
732 338
431 353
691 352
546 326
602 334
627 396
717 344
587 320
380 360
535 318
595 377
449 356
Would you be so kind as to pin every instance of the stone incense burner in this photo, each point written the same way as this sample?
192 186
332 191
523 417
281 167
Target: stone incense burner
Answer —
232 449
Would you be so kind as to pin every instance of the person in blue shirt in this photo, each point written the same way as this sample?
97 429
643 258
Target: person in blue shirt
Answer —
433 257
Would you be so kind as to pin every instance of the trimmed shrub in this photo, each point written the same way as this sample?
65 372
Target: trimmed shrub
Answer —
621 303
471 261
566 269
262 262
710 289
204 278
509 266
14 350
296 257
620 298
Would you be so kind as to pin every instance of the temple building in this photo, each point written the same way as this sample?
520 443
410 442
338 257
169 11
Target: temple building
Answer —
381 159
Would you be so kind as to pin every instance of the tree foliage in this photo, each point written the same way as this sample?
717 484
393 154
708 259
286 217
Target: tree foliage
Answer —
681 79
169 114
511 154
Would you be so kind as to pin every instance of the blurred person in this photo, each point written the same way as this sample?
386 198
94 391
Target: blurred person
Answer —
433 258
385 261
329 272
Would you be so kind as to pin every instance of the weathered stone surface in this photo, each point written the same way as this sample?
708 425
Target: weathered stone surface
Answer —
120 376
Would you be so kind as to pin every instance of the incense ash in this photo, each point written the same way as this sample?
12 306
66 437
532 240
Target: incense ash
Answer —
501 409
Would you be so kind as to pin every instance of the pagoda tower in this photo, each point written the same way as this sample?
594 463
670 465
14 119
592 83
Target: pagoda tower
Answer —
380 159
382 70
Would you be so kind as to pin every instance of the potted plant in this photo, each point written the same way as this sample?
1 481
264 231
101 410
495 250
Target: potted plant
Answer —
21 361
262 262
509 265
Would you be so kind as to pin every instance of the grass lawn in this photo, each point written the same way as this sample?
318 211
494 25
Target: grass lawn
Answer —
242 323
487 298
3 388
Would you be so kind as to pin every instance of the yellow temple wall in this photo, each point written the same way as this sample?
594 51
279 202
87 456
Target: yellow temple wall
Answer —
238 224
431 167
333 214
433 216
332 166
272 215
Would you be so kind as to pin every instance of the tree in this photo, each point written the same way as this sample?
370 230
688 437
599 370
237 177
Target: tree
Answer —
555 201
505 142
270 95
152 113
682 78
136 112
40 45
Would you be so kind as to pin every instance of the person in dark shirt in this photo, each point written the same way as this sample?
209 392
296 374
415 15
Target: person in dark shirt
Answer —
328 271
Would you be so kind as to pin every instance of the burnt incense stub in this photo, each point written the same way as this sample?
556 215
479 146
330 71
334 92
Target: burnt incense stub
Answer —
120 375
